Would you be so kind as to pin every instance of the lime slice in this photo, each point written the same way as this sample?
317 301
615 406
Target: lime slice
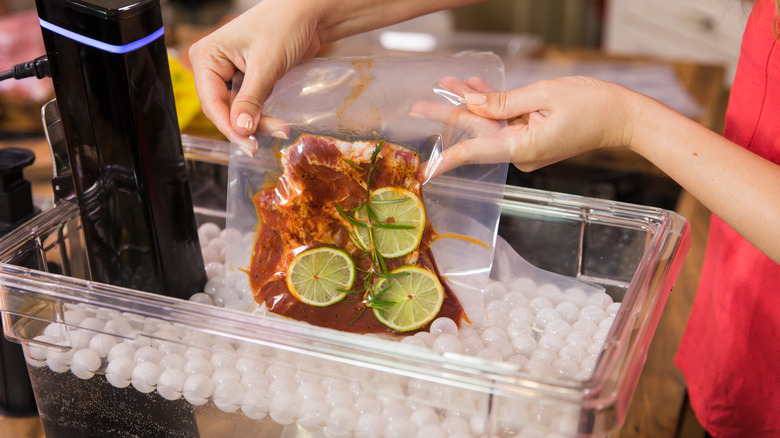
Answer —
320 276
399 222
410 300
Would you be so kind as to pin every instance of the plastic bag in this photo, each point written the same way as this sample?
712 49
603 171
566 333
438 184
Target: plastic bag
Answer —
369 99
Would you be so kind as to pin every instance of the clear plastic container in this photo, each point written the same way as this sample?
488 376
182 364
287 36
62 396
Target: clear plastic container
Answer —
281 378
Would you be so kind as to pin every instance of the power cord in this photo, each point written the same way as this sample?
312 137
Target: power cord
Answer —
38 67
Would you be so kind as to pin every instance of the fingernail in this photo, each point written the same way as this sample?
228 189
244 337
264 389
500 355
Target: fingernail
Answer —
416 115
475 99
280 134
245 121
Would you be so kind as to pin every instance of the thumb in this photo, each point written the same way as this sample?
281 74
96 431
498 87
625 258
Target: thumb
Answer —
247 106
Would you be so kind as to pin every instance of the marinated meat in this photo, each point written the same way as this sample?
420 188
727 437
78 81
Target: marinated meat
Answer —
299 212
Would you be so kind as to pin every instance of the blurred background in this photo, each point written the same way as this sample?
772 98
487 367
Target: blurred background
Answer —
682 52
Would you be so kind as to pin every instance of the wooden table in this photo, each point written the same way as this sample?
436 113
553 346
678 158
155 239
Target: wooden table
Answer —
658 408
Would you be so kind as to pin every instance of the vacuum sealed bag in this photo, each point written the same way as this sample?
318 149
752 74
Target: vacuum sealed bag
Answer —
348 224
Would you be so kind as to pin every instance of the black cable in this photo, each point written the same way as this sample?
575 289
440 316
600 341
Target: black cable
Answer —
38 67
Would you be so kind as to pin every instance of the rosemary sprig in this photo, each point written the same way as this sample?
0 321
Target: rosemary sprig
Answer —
378 266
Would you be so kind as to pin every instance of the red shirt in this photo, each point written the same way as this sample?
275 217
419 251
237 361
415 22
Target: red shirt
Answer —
730 352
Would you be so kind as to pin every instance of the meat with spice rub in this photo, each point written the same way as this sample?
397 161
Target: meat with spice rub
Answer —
299 212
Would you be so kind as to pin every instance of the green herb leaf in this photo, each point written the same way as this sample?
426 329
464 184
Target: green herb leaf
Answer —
355 165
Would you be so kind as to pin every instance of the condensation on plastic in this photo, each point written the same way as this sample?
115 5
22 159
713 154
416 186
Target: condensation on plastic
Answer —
369 99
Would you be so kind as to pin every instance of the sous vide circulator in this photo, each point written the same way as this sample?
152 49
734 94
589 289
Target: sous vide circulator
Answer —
111 78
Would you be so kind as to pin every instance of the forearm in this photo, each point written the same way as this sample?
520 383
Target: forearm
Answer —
740 187
343 18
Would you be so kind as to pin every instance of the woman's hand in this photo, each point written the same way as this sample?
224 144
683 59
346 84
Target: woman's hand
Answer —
547 121
264 42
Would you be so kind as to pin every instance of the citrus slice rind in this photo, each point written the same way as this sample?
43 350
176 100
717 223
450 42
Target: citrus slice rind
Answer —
320 276
397 207
415 294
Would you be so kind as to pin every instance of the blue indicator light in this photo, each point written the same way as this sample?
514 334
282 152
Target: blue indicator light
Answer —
129 47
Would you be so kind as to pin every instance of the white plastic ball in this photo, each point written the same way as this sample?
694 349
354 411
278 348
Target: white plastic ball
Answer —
594 349
283 385
38 352
170 384
74 316
490 354
447 343
225 374
546 315
579 338
454 424
424 416
214 285
557 327
412 340
341 422
499 319
59 360
495 290
551 342
544 355
444 326
525 344
370 425
147 354
172 361
523 315
365 404
400 428
198 389
431 431
499 306
565 367
607 322
576 296
102 344
80 339
427 337
396 412
524 285
208 231
255 379
313 414
228 395
571 351
588 363
255 403
118 326
568 311
586 326
539 303
202 298
551 291
84 363
339 398
92 323
215 269
145 376
613 309
517 359
56 331
198 366
119 372
592 312
491 334
601 335
517 328
600 299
